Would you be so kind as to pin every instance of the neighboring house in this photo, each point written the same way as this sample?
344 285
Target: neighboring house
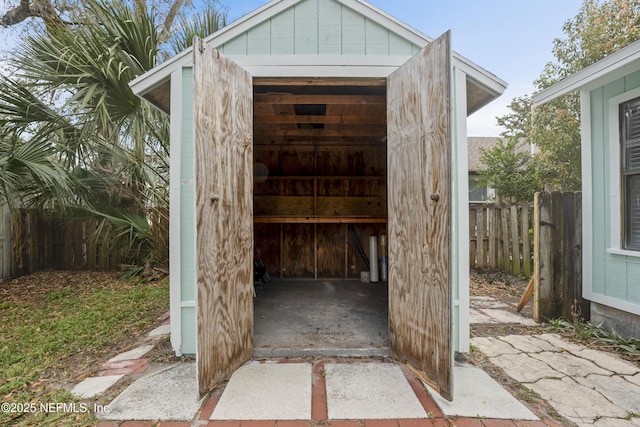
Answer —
476 144
352 120
610 127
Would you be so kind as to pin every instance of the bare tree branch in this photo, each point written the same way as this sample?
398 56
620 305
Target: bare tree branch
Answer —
17 14
42 9
168 21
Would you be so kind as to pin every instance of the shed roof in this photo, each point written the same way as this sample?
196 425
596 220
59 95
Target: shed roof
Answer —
154 85
600 73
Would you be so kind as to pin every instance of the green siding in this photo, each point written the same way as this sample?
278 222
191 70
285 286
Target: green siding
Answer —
633 270
259 40
319 27
187 215
353 33
282 34
330 28
306 28
377 38
189 327
614 276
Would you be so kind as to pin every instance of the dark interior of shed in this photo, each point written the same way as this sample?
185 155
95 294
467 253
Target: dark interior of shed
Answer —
320 191
320 174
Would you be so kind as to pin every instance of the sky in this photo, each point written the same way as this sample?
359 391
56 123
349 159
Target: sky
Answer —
513 39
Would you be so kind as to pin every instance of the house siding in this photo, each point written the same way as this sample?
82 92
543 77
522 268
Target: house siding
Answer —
615 277
319 27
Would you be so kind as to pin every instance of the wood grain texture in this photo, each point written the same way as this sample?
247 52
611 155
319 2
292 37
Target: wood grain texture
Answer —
224 215
419 165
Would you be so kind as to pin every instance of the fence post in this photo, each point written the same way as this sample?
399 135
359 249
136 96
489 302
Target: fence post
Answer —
6 268
526 249
481 226
491 222
557 253
515 240
473 236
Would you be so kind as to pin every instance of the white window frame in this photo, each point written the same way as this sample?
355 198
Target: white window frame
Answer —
615 182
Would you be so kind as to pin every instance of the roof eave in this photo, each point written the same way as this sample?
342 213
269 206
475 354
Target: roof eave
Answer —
598 73
158 76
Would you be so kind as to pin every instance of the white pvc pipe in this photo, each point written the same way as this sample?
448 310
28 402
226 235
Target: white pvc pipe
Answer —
383 257
373 257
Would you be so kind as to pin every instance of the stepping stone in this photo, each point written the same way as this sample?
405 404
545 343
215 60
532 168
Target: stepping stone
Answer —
91 387
160 331
370 391
171 394
477 395
260 391
136 353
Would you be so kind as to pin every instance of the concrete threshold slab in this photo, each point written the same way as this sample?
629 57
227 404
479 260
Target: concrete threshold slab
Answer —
320 352
170 394
476 394
267 391
370 391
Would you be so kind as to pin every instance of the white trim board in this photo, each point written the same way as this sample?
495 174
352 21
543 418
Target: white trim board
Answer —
596 74
587 195
615 196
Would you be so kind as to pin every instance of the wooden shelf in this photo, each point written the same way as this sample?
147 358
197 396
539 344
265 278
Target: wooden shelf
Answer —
318 220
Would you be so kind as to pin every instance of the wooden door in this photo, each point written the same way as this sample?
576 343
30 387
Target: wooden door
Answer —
419 198
223 109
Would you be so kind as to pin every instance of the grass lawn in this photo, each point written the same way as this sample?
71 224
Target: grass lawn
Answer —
56 328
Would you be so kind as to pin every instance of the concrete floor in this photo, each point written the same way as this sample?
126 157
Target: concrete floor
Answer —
320 317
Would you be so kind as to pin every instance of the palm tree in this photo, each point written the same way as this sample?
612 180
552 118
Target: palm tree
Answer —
70 98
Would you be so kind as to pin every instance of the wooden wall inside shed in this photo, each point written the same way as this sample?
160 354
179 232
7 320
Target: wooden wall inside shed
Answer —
304 206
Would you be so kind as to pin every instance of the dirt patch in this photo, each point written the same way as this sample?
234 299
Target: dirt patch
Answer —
505 289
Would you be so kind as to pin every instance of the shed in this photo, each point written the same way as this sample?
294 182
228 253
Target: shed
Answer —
305 127
610 133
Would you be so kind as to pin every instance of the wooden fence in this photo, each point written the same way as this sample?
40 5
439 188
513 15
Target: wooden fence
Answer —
6 264
558 257
44 242
501 238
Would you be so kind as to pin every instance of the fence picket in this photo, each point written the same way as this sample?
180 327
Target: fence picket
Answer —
499 240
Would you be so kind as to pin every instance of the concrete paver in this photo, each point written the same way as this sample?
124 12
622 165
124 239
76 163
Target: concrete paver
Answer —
161 330
616 389
570 365
635 379
135 353
608 361
528 343
476 394
170 394
480 302
493 347
370 390
586 386
576 402
261 391
536 369
91 387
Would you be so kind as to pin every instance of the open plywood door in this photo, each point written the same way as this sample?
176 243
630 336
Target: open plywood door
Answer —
419 198
224 214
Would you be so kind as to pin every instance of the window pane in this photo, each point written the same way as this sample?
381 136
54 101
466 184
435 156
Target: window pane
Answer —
631 136
477 193
632 212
